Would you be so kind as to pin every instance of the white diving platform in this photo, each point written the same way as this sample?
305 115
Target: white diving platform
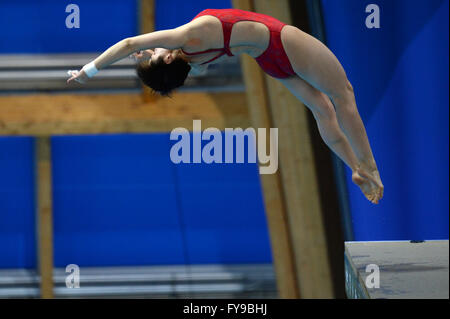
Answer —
407 269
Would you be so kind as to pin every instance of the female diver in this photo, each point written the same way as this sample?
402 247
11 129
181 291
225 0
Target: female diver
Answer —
302 63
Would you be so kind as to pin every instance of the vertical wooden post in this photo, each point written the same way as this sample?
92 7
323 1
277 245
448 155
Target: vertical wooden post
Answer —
44 214
259 109
298 181
146 25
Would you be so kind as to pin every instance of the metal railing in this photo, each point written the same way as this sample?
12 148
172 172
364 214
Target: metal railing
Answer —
48 73
172 281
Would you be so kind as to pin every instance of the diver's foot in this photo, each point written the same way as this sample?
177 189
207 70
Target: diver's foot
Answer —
370 184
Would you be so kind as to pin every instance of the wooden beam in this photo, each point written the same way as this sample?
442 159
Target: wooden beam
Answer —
44 214
259 110
43 115
146 25
298 174
147 15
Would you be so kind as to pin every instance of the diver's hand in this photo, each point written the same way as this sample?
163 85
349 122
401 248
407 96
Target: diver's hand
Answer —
78 76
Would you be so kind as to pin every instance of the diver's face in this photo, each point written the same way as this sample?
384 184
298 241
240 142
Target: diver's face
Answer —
153 55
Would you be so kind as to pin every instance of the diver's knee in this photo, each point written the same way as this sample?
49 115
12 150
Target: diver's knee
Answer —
324 110
343 92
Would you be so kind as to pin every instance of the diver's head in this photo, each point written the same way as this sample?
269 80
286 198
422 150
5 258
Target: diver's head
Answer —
162 70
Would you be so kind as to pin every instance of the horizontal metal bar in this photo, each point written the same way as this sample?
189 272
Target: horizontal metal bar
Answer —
25 73
149 281
47 75
20 61
143 274
148 289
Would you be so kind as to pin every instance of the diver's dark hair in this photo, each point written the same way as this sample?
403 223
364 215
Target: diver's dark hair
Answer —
163 78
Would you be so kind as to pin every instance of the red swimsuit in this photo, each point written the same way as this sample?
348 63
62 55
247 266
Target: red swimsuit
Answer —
273 61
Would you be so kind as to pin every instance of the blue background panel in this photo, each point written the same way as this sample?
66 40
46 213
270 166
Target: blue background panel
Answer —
400 76
17 220
30 26
115 201
223 209
119 200
40 26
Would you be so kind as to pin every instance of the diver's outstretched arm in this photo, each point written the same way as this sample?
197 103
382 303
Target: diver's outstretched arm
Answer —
169 39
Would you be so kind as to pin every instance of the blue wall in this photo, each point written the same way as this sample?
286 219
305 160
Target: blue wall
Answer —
39 26
17 223
400 76
30 26
119 200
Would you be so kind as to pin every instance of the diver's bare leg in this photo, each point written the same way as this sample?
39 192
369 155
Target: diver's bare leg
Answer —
327 123
317 65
